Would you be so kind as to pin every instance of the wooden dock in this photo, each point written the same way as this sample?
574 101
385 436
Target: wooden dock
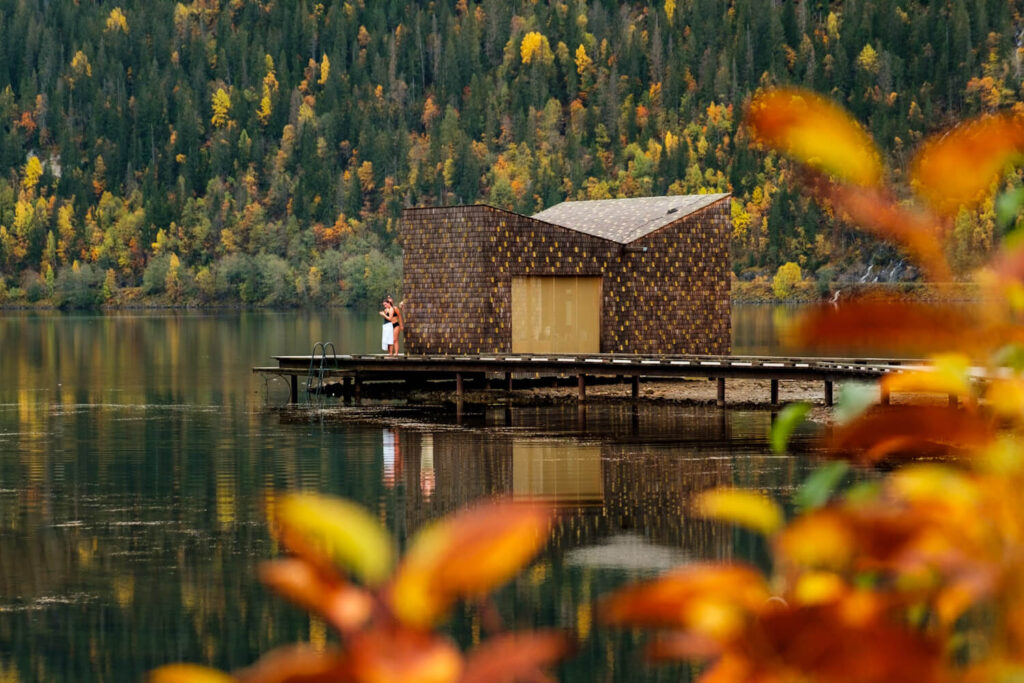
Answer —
352 371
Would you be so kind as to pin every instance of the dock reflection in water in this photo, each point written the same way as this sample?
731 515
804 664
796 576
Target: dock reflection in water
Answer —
632 469
623 486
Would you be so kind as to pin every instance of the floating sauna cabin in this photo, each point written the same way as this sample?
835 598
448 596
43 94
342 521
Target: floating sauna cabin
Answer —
644 275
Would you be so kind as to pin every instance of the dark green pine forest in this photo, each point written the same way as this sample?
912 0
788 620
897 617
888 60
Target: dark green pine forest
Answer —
261 151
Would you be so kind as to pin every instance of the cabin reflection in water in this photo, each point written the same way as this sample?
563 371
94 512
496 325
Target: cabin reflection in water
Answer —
611 488
557 472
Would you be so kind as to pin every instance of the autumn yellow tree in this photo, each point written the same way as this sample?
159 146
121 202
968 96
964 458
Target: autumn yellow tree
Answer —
270 88
535 49
33 170
80 67
786 279
117 21
325 70
221 106
583 61
868 59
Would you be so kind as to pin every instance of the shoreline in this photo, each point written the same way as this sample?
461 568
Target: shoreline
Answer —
741 293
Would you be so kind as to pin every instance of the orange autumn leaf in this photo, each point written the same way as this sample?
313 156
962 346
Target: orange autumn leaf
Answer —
399 654
818 587
935 485
914 541
464 555
931 430
817 132
876 211
1006 397
295 663
711 600
849 640
823 540
924 381
948 374
959 168
344 606
868 326
744 508
188 673
320 527
515 656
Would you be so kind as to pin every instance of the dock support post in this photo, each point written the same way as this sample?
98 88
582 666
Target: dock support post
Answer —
581 388
884 396
458 386
721 392
828 392
636 387
775 392
294 394
357 388
508 381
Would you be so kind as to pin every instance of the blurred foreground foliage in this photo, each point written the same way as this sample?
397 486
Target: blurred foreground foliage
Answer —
341 568
919 576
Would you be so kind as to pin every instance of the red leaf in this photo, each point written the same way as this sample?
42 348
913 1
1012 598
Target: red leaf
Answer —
706 598
886 327
842 642
343 605
960 167
398 654
911 430
294 664
516 656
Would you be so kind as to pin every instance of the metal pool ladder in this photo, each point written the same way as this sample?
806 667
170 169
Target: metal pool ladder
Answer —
315 376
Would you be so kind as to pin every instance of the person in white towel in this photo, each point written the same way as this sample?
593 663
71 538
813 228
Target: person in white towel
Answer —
387 337
398 323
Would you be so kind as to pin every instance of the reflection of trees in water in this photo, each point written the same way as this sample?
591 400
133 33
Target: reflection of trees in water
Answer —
111 598
165 356
113 562
139 543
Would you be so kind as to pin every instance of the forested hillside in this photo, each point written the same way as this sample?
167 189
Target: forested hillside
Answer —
261 151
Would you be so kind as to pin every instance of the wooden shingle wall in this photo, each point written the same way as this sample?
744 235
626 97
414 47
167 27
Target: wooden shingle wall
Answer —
673 298
459 263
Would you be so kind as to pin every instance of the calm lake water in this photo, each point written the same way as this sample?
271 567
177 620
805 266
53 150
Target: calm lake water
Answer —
138 456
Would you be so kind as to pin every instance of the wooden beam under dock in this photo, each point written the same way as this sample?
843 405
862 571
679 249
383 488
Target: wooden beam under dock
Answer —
380 368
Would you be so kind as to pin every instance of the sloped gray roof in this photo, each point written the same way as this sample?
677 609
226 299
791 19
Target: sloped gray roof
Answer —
624 220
